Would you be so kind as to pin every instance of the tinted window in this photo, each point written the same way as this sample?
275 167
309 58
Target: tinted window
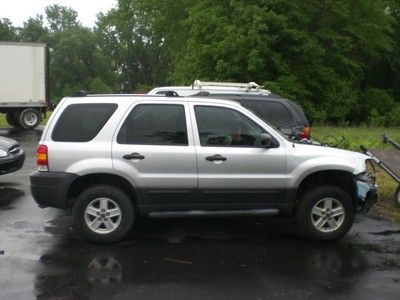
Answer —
219 126
273 112
82 122
155 124
298 109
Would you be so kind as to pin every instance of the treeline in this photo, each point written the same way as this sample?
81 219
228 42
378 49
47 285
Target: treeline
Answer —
339 59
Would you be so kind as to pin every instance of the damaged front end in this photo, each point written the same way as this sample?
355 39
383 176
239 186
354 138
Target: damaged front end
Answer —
367 191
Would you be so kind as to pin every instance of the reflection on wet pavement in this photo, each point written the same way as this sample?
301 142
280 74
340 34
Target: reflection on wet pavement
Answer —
253 261
243 259
8 195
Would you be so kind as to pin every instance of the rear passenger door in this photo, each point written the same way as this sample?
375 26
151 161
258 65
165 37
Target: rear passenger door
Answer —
154 148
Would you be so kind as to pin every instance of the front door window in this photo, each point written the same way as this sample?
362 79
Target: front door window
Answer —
225 127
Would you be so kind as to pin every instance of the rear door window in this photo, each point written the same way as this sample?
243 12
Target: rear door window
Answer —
270 111
82 122
155 124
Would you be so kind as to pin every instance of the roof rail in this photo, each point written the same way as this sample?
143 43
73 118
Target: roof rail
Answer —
247 86
123 95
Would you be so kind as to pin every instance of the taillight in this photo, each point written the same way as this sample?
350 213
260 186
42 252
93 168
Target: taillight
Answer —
42 158
305 133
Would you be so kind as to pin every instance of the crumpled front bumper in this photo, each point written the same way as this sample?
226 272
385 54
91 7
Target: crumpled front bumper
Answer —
367 192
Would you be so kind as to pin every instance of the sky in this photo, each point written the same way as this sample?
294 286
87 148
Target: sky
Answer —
18 11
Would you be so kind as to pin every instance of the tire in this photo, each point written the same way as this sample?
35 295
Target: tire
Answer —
11 119
87 209
29 118
397 197
313 211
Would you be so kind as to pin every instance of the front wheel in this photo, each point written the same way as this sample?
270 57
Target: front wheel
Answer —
103 213
397 196
325 213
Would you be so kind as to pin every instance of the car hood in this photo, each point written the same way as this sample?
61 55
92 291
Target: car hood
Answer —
328 158
329 151
6 143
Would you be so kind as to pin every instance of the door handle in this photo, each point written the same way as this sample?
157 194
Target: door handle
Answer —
216 157
133 156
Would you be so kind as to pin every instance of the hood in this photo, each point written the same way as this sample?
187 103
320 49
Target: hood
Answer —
6 143
328 157
330 151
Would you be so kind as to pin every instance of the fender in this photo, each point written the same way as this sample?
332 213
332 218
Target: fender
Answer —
310 166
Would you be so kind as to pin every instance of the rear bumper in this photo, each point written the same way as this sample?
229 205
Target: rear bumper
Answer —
50 189
12 164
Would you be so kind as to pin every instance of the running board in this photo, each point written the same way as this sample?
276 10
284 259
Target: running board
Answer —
214 213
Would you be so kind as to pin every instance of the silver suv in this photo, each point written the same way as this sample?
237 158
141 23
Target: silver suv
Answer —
111 158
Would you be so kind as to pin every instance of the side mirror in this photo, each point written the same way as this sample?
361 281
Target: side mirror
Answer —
266 140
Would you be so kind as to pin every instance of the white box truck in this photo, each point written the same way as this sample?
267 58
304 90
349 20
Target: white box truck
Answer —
24 88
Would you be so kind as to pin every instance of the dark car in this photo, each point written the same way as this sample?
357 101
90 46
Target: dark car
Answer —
284 114
12 156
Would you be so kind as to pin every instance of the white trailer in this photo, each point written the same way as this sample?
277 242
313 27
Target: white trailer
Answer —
24 88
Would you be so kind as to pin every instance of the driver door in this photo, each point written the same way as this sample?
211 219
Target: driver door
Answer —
234 169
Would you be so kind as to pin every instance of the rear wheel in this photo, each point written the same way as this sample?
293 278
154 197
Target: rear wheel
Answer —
11 119
103 213
29 118
397 197
325 213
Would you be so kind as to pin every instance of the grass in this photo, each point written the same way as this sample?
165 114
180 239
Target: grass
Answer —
353 138
386 206
356 136
3 122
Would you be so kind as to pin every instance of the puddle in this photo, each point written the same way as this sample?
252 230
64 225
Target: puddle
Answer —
7 208
386 232
8 195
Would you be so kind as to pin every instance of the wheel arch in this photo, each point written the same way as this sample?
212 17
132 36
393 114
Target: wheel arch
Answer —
339 178
85 181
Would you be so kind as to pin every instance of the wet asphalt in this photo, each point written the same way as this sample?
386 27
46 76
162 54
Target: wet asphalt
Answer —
41 256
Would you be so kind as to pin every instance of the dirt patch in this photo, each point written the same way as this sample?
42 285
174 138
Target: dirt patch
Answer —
387 209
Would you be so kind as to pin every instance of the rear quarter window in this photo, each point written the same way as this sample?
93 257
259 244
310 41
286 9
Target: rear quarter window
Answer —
82 122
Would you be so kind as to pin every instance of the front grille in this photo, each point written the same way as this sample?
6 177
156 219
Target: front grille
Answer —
14 149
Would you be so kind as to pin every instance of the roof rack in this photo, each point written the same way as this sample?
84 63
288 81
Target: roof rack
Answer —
86 94
246 86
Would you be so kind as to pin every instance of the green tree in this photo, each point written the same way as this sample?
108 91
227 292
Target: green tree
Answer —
324 48
34 30
7 30
338 59
125 34
76 62
61 17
